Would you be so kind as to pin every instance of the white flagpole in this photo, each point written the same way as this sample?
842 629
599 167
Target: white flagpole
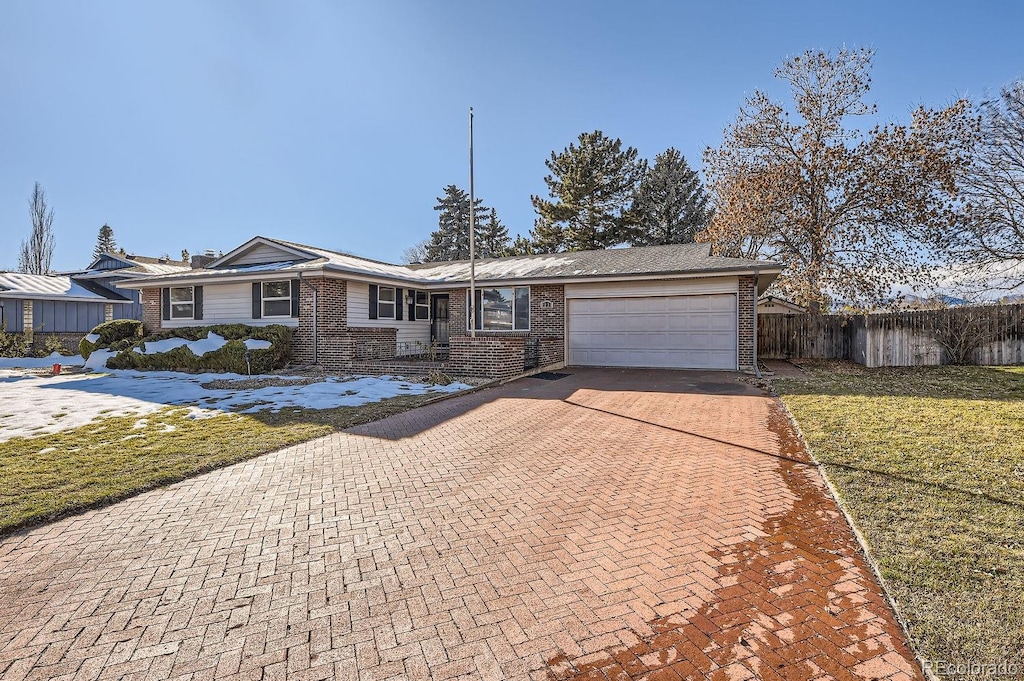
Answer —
472 236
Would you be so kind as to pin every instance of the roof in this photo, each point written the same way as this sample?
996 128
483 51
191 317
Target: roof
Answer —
135 266
678 259
54 287
781 302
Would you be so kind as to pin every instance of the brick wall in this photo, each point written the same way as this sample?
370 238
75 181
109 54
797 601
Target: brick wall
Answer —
331 322
68 339
151 312
746 323
496 357
27 324
547 323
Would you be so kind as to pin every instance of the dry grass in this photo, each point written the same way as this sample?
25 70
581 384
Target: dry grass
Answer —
44 478
930 463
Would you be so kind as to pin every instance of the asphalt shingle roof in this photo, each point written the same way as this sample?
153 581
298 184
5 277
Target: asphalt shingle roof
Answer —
638 261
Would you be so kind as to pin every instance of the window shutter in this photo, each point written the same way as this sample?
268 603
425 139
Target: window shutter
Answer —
165 303
197 299
257 300
412 306
398 304
295 297
373 301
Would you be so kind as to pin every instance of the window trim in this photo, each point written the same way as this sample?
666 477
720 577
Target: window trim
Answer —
264 299
425 305
514 290
393 302
191 302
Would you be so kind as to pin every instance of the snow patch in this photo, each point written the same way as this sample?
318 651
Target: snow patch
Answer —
92 337
43 401
256 344
198 348
40 362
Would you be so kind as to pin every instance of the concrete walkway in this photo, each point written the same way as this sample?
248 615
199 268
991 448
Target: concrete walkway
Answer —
606 525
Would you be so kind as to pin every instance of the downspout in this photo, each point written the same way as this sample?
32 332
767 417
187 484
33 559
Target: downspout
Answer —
316 309
757 273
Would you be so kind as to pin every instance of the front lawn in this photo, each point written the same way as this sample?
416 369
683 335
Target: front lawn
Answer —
929 461
43 478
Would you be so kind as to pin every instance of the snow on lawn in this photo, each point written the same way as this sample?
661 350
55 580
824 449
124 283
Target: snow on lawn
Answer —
34 405
40 362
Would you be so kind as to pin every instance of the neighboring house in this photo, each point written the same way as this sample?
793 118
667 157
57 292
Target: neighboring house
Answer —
671 306
110 269
55 305
775 305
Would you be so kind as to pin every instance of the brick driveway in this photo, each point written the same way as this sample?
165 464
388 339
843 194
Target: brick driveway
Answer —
611 524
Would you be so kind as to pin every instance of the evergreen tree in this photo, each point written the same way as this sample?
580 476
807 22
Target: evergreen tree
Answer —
672 205
185 255
493 240
521 246
451 239
591 187
105 242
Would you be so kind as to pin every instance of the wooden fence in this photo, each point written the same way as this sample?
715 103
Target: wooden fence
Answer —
985 335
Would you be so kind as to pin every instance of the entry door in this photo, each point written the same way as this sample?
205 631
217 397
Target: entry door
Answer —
439 320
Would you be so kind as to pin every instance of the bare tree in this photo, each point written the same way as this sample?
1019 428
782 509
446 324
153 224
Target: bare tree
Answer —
990 243
37 252
416 253
847 210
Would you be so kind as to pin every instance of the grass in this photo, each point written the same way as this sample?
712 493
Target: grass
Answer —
45 478
929 461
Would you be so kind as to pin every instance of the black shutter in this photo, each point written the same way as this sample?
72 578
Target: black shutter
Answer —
373 301
165 303
197 302
412 306
398 304
295 297
257 300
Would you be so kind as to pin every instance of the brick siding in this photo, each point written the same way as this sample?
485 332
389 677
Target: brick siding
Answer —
747 335
151 313
547 323
496 357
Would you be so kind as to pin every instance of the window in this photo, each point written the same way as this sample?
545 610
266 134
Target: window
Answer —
277 299
183 302
503 309
422 305
386 302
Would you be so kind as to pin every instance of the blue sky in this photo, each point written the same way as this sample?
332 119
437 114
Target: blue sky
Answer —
200 124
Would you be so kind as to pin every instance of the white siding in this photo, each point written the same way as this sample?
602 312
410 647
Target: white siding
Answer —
669 287
228 304
359 315
262 253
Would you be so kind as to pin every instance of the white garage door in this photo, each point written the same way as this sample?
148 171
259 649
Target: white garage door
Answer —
684 332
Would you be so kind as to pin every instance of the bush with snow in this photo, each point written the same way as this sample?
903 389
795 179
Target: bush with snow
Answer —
108 334
216 348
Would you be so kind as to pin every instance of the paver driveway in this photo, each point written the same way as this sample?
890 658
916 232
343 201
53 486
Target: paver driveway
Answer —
611 524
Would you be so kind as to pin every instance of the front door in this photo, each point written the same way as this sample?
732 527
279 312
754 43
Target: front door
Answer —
439 320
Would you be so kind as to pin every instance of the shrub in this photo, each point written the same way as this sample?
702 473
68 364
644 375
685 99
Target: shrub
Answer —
54 344
126 331
229 358
12 344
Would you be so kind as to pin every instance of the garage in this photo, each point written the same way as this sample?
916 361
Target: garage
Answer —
682 331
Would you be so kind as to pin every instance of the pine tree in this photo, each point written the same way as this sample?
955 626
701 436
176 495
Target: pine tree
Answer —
451 239
493 240
672 205
105 242
591 187
521 246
